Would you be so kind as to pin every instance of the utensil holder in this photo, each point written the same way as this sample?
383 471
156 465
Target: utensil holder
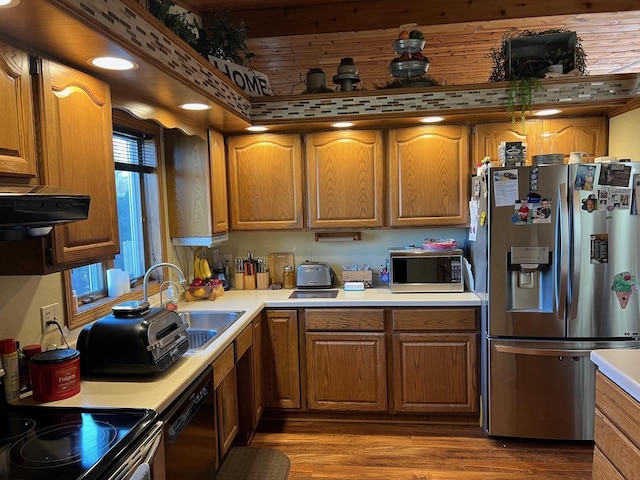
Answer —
249 282
262 280
239 281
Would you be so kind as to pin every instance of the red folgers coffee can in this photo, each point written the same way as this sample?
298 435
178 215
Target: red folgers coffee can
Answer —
55 374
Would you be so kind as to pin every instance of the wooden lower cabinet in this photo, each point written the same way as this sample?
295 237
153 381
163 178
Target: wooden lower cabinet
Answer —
435 361
249 376
616 454
226 398
346 361
346 371
281 360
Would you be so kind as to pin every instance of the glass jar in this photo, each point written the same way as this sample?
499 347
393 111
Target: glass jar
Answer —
289 277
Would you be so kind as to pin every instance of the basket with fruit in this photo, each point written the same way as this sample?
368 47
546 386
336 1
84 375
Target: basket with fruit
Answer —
203 286
411 62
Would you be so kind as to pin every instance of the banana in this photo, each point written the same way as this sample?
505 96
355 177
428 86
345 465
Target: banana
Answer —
206 270
197 271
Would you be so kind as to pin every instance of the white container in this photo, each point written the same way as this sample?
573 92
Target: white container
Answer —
114 282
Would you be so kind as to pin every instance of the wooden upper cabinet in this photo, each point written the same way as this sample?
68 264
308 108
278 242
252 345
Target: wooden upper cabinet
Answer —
77 150
582 134
345 179
487 137
196 185
559 135
265 182
428 175
218 166
17 137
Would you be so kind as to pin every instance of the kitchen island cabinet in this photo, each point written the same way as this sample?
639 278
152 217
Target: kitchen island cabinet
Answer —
616 454
345 179
77 153
435 360
196 185
265 182
281 370
17 132
428 175
346 368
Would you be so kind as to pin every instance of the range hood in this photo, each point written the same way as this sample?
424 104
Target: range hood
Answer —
210 241
28 211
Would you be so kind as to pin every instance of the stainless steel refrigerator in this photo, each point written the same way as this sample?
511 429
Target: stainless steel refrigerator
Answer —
556 260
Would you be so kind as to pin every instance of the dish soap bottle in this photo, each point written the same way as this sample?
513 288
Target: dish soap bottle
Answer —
171 302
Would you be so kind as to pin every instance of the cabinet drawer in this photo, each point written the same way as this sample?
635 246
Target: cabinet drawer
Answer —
622 409
223 365
602 468
243 341
433 319
352 319
621 452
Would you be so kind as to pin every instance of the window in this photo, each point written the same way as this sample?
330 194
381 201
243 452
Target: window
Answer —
139 224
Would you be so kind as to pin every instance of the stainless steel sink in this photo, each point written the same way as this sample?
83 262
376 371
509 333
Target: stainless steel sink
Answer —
314 294
204 327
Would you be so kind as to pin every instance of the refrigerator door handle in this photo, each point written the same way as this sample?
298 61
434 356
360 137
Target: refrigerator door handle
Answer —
576 256
562 252
545 352
542 352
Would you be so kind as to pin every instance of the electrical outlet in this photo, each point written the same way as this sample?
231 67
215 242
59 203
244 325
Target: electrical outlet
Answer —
47 313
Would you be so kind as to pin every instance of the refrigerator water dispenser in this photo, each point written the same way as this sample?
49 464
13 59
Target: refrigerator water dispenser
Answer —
530 282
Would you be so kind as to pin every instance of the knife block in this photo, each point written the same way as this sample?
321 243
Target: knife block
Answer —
262 280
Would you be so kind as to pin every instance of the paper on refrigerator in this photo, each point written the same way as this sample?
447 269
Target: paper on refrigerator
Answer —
505 187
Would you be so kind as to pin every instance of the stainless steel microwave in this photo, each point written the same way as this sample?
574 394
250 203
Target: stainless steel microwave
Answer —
414 270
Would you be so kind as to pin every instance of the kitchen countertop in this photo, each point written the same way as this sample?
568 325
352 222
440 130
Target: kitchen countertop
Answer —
622 366
158 392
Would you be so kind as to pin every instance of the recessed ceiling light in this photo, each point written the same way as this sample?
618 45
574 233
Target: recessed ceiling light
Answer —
342 125
195 106
256 128
545 113
112 63
9 3
431 119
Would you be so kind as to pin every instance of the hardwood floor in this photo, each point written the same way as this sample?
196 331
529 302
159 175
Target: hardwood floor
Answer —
350 451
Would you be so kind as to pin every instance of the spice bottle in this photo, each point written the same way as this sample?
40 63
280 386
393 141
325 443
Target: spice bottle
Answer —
9 352
289 277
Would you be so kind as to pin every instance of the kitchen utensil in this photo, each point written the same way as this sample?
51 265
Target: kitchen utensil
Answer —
277 262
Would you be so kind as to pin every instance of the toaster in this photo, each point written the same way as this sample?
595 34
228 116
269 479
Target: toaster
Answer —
140 345
314 275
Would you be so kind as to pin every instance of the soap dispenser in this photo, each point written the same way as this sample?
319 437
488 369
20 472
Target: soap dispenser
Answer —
171 301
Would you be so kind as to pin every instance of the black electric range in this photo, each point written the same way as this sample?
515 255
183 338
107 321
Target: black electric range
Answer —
68 443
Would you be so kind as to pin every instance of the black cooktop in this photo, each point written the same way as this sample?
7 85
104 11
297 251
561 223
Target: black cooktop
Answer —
67 443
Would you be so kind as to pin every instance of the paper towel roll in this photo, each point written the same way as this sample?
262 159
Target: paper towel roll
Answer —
114 282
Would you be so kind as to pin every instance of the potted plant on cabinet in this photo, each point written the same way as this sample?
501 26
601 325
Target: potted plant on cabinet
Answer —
522 58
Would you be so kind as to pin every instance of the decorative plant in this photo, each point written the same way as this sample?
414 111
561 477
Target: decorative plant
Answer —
406 82
524 73
221 39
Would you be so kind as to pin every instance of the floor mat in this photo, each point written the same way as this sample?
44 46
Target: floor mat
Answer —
248 463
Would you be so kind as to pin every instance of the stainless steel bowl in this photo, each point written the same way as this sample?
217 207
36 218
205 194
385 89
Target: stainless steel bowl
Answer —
409 68
410 45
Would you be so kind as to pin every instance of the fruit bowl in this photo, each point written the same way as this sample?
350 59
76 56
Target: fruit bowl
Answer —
203 292
439 244
409 68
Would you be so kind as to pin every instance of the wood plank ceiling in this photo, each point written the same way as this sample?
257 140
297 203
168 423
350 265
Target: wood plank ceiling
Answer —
288 37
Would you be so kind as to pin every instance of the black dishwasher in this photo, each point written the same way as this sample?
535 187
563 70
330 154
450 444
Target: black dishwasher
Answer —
190 432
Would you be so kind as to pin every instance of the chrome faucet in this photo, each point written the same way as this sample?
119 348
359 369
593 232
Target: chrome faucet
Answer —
151 269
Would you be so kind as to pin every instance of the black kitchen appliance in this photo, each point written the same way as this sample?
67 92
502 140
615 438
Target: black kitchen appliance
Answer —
68 443
132 344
